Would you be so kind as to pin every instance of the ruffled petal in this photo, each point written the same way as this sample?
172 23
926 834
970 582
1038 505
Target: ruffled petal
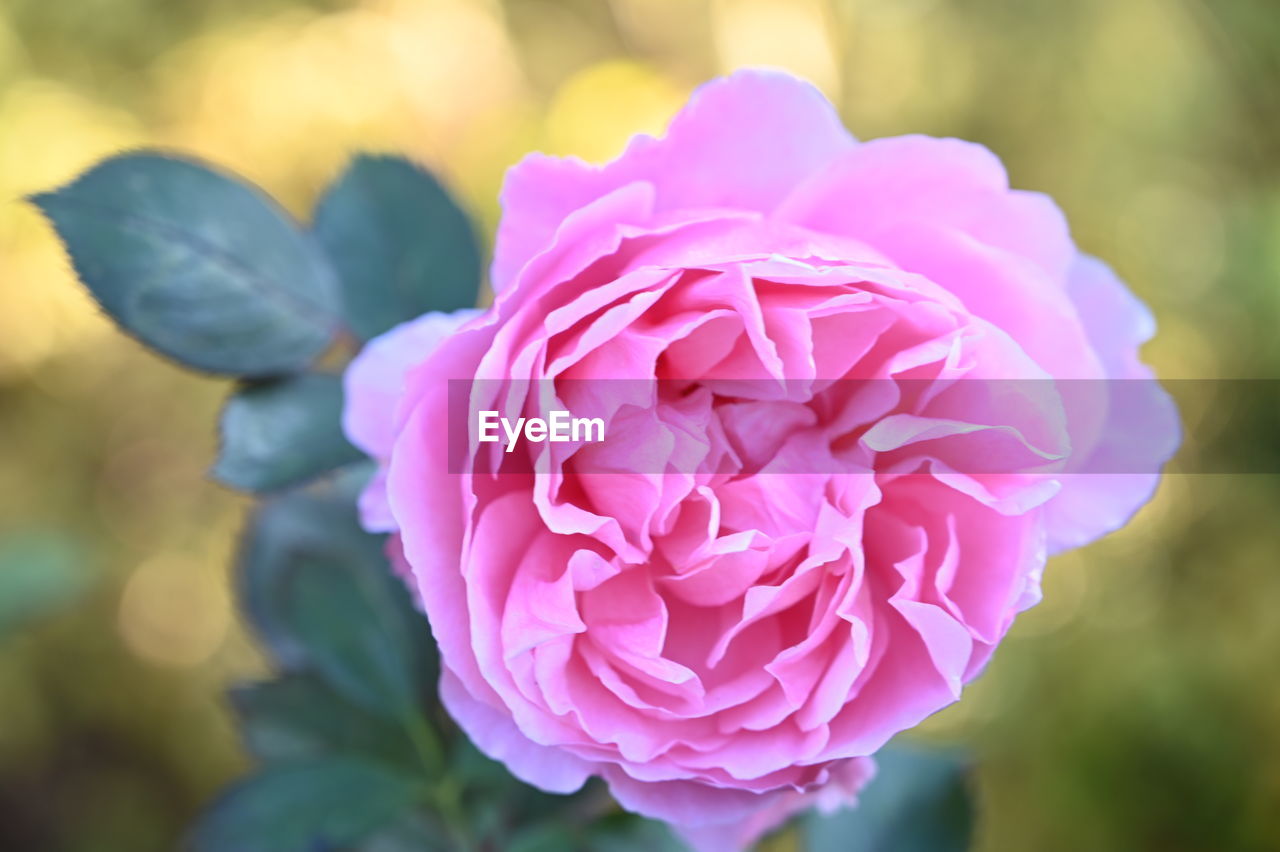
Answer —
492 731
774 127
1109 482
375 380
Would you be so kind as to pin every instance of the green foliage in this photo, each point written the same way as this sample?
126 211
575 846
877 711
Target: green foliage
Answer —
549 837
298 715
319 591
623 833
358 668
319 804
399 243
412 833
918 802
283 432
358 689
283 531
351 624
197 265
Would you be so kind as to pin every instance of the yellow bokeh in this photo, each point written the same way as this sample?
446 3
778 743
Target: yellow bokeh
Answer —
174 613
597 110
793 35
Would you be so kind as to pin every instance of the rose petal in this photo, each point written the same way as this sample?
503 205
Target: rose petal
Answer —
770 125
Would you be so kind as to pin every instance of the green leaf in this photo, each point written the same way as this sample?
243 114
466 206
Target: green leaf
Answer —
624 832
918 802
496 801
280 433
305 806
414 833
298 716
401 246
547 837
197 265
39 572
322 594
281 531
350 623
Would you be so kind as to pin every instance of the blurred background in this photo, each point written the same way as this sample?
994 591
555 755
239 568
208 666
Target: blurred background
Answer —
1137 708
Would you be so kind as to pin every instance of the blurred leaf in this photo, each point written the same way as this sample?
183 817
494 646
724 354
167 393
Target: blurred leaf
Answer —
319 518
918 802
624 832
401 246
197 265
548 837
280 433
414 833
353 627
360 665
306 806
510 814
298 716
322 593
476 769
39 572
495 800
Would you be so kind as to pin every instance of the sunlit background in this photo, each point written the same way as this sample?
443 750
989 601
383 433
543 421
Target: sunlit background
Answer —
1137 708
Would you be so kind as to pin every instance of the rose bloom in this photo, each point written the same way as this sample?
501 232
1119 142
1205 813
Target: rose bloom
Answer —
723 638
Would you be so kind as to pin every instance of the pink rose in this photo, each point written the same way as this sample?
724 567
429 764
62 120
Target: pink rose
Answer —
814 533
